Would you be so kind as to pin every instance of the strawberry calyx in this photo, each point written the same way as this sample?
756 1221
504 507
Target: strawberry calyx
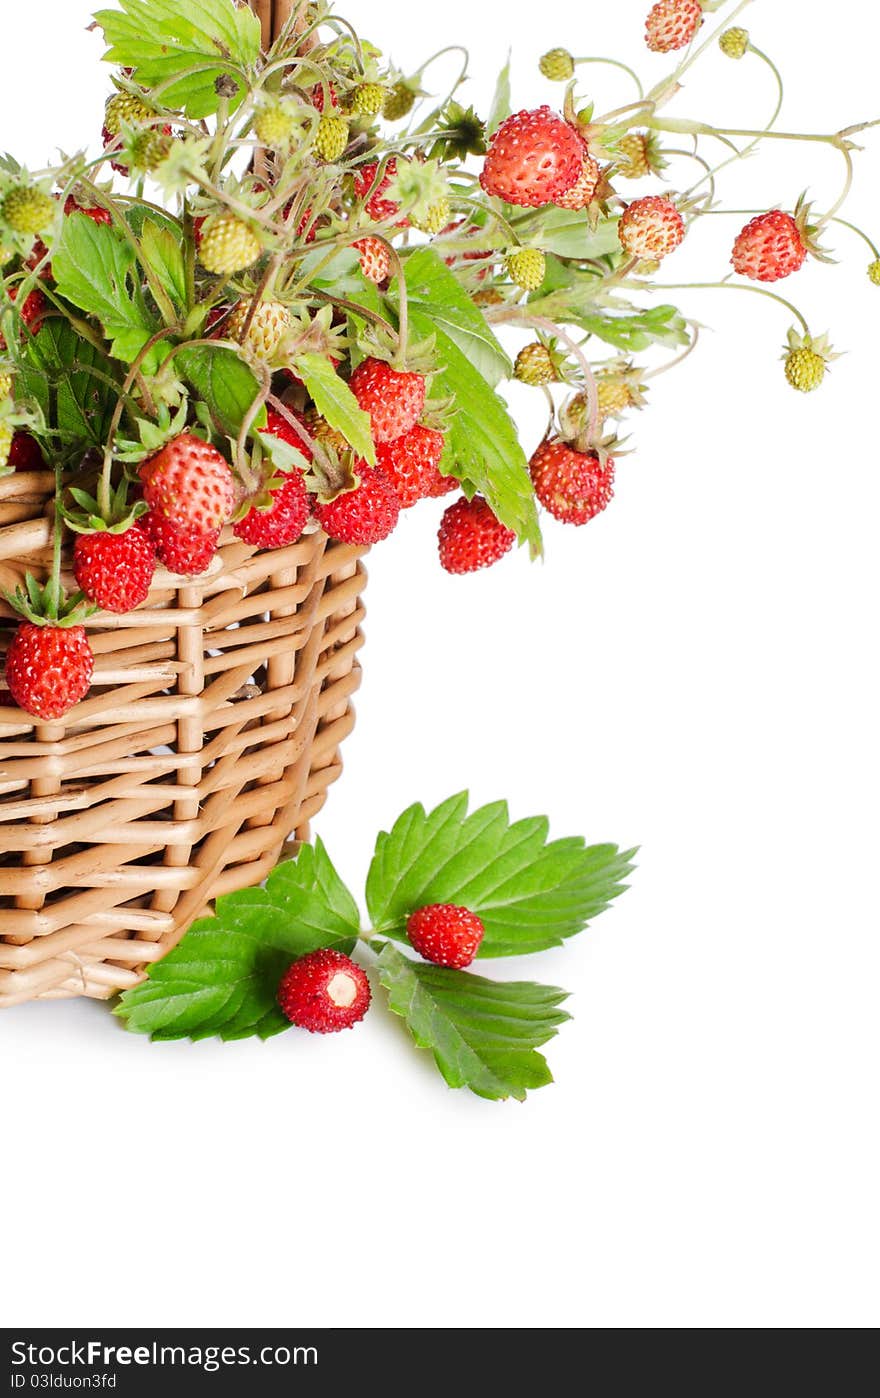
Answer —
48 604
90 518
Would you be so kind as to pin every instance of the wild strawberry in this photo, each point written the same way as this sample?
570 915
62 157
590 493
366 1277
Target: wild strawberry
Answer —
5 384
126 109
190 484
441 485
446 934
399 101
25 453
259 329
651 228
319 99
394 399
557 65
365 515
114 571
148 149
278 426
533 158
734 42
583 191
806 358
573 485
331 137
367 100
49 668
639 154
874 272
184 551
436 218
274 124
769 248
33 309
375 258
284 518
27 209
377 207
324 992
6 436
672 24
92 211
472 537
535 365
527 267
227 245
410 462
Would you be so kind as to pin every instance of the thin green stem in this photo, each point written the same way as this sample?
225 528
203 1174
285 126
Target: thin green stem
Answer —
666 89
615 63
732 286
53 591
741 155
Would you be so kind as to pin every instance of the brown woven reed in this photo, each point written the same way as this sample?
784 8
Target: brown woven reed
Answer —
210 734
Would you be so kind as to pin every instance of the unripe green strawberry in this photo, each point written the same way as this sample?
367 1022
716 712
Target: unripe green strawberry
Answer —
125 109
435 220
399 102
527 268
228 245
269 324
613 395
5 385
874 271
28 210
634 163
734 42
367 100
534 365
331 137
274 125
557 65
6 435
806 360
148 149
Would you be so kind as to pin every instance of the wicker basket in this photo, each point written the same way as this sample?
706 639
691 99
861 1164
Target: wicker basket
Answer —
210 734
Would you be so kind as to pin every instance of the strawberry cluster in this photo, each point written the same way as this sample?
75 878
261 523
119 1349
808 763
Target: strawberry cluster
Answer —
238 343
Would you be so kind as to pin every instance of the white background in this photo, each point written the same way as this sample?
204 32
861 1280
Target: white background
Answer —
694 672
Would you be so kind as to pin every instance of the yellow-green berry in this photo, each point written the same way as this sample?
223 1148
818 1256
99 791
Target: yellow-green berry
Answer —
534 365
148 149
804 369
734 42
874 271
613 395
399 102
435 219
557 65
269 324
331 137
634 159
28 210
367 100
5 384
228 245
125 109
274 125
527 268
6 435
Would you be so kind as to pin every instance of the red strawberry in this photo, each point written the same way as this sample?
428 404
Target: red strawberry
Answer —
769 248
533 159
277 425
25 453
471 537
190 483
93 211
324 992
115 570
364 515
394 400
378 208
410 463
583 191
446 934
318 96
375 258
184 551
573 485
441 485
49 668
33 308
284 521
651 228
672 24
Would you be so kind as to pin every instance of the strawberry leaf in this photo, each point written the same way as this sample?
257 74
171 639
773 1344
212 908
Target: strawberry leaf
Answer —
93 268
483 1034
68 378
435 295
530 894
501 102
224 382
189 46
222 979
336 403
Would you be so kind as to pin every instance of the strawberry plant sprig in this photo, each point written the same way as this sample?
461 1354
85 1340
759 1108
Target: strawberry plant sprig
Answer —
289 288
446 886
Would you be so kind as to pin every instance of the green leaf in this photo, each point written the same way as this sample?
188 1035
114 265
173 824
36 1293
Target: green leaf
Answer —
222 979
71 381
530 895
501 108
336 403
163 251
436 294
93 266
224 382
483 1034
568 234
189 44
482 444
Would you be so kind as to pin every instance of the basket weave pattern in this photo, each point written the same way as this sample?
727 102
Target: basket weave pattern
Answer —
210 734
